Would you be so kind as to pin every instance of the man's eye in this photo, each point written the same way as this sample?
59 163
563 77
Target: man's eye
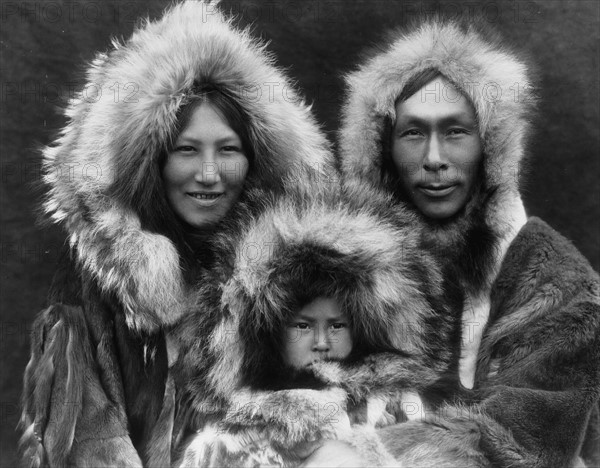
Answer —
413 132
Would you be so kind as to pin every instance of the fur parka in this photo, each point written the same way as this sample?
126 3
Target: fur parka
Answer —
531 319
245 408
100 350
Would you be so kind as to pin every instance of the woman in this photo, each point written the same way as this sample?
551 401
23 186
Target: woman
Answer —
142 180
440 119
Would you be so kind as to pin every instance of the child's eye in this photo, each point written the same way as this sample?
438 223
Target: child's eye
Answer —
302 326
339 325
184 149
231 149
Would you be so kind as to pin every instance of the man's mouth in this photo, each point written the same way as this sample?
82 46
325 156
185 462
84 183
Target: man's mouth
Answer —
437 190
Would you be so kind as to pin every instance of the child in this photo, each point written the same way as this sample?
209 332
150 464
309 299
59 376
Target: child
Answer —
330 324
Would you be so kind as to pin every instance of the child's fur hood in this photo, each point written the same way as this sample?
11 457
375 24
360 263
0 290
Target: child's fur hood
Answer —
110 147
391 290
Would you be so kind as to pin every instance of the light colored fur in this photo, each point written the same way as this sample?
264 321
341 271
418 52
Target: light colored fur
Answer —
395 302
154 70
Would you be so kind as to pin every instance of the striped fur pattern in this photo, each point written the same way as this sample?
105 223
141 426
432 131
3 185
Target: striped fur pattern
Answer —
63 398
112 142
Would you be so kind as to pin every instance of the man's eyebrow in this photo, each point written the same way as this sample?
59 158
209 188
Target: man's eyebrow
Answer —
461 117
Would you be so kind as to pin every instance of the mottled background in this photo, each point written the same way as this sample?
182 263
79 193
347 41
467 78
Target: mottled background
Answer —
45 44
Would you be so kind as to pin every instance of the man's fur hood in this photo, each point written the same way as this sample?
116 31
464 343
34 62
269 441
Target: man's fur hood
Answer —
107 153
491 76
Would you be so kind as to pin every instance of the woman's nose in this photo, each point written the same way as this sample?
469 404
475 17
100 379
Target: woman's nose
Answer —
208 171
434 159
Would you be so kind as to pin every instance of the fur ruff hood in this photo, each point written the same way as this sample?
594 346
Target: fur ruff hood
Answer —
357 245
362 245
492 77
98 168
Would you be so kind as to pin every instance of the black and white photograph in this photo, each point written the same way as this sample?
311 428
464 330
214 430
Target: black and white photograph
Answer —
320 233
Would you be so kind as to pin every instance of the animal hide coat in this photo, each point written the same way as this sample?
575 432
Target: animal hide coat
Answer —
97 390
245 408
531 321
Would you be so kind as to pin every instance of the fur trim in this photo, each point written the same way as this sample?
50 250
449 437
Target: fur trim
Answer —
498 85
109 140
477 65
290 417
383 280
474 64
42 426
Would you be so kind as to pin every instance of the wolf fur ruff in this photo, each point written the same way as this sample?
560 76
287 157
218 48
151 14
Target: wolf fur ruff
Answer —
108 138
365 241
368 243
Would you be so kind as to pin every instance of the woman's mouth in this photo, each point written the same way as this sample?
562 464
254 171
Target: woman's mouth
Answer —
204 198
437 190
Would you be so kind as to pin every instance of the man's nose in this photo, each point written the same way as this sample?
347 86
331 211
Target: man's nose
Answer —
434 159
208 171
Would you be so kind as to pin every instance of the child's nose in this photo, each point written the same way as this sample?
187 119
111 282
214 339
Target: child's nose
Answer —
321 342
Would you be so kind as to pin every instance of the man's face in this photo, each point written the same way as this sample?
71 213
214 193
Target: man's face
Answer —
437 149
318 331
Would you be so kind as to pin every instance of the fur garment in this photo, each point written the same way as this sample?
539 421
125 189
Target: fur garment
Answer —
242 401
101 344
97 168
530 320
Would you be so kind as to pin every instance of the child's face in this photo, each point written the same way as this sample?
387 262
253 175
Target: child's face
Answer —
318 331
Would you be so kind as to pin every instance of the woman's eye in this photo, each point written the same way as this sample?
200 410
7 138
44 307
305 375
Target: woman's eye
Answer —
457 131
302 326
338 326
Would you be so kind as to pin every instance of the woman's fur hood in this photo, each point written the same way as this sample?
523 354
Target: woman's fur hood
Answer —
110 146
361 244
494 79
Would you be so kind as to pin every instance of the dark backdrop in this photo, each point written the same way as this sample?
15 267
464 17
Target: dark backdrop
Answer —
44 45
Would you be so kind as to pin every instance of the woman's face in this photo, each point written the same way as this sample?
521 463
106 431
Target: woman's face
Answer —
437 149
205 172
